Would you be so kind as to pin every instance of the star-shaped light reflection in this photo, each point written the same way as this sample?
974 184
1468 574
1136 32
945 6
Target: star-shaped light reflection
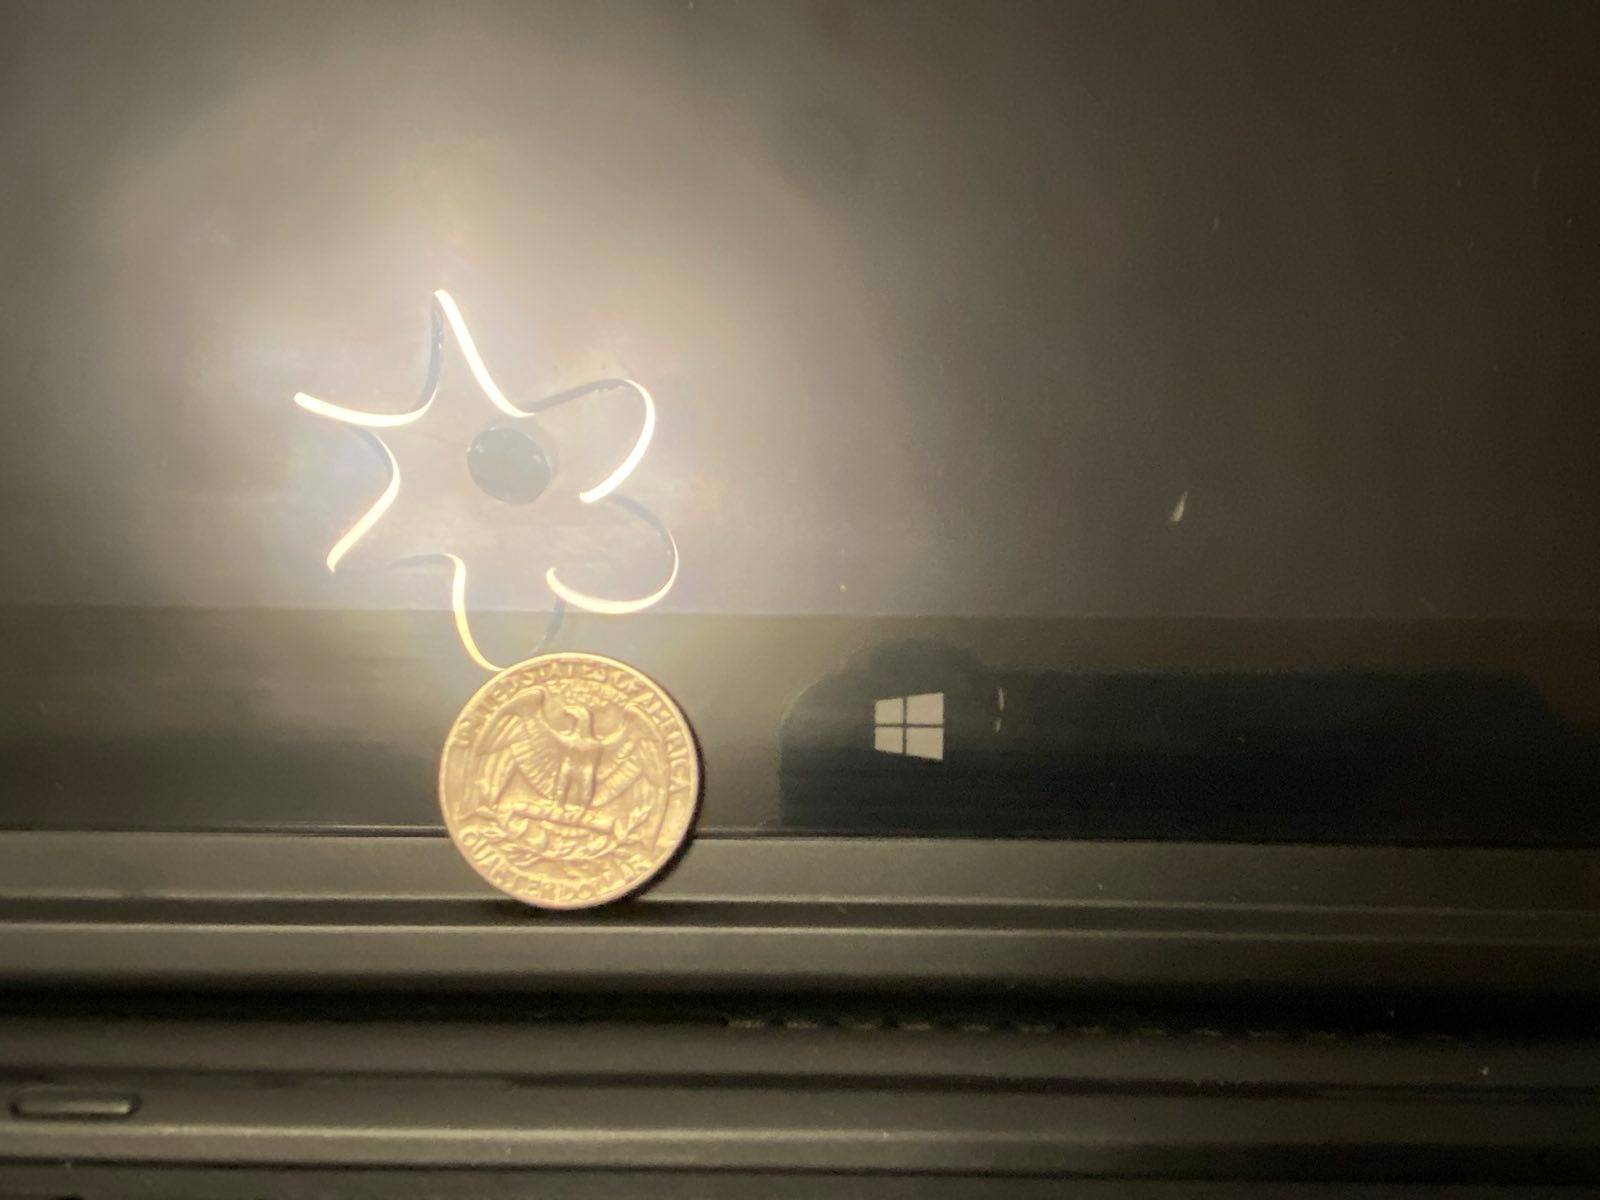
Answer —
496 443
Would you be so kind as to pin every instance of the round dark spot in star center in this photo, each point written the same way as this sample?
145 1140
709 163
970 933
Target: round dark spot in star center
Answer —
509 465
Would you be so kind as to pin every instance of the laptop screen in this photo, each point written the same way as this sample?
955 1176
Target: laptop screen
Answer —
1199 400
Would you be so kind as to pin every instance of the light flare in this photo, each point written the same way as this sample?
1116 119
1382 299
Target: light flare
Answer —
373 515
600 604
451 313
458 609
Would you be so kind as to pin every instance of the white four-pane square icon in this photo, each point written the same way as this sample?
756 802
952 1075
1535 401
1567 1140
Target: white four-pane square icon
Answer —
910 725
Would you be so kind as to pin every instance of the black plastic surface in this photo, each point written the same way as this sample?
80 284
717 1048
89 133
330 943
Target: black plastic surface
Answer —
155 1183
996 1096
901 914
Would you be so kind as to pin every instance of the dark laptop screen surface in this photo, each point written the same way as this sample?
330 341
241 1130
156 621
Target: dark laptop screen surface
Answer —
1200 399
